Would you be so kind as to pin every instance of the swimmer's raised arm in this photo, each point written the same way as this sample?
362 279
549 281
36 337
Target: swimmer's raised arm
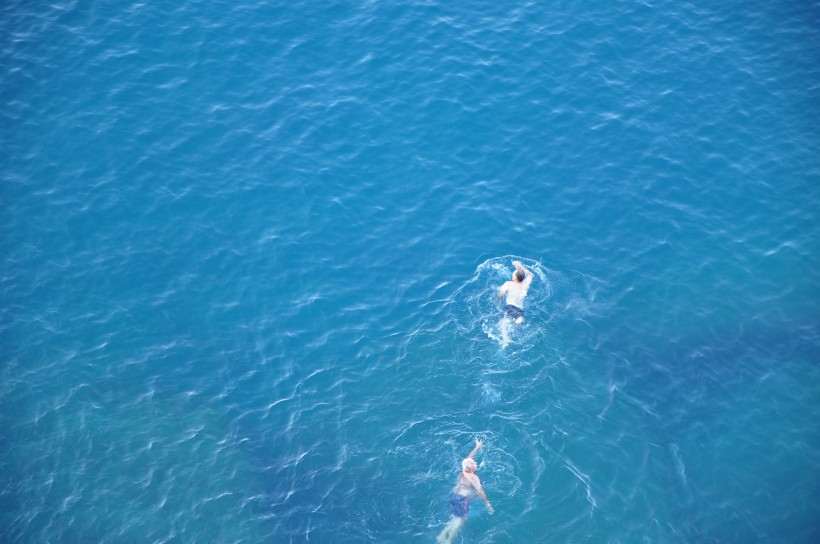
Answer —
519 266
527 273
478 444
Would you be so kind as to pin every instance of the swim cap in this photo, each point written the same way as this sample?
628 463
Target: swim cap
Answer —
468 465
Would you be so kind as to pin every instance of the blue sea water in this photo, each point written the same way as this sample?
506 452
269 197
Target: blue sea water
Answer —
250 253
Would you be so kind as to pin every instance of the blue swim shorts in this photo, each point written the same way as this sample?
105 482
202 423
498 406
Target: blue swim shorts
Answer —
513 312
459 505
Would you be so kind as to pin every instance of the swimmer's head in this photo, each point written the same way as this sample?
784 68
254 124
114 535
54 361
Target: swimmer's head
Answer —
519 275
469 465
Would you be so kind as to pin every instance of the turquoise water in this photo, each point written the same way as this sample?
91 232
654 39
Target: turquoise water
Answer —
250 251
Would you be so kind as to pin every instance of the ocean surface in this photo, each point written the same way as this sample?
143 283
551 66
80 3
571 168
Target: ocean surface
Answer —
250 253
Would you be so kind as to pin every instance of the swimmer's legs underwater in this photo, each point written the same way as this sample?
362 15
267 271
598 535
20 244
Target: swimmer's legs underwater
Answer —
450 530
505 325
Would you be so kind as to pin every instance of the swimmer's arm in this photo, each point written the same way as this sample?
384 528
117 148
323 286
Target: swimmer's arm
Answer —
479 489
503 289
527 274
519 266
478 444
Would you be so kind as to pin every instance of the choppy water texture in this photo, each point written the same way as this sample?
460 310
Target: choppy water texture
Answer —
250 255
